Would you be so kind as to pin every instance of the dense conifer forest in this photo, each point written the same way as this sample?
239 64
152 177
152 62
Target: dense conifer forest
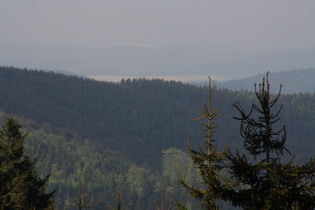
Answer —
131 135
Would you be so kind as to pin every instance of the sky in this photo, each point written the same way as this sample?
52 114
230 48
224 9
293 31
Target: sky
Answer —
224 38
217 24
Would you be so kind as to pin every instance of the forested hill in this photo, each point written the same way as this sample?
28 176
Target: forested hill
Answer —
132 116
294 81
81 127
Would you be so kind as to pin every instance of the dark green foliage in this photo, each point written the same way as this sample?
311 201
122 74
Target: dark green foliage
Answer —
209 163
80 128
267 183
21 187
260 136
131 112
262 180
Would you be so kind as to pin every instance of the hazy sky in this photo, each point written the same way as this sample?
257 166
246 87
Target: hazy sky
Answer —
244 24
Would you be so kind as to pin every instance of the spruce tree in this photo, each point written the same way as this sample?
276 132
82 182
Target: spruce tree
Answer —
20 185
263 180
209 163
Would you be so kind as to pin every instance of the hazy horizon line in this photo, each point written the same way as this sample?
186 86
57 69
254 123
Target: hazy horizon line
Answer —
188 78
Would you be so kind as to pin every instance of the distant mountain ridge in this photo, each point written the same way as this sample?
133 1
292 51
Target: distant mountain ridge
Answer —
156 61
294 81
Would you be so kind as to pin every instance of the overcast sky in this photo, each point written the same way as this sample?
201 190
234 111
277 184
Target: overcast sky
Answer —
219 24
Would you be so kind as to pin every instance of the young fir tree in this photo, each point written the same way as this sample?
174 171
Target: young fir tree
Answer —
264 181
20 185
209 163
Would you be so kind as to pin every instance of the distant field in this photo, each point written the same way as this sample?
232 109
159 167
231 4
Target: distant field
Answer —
174 78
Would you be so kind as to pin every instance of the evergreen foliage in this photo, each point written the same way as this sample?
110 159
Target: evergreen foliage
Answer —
262 180
21 187
132 112
80 128
260 136
209 163
267 182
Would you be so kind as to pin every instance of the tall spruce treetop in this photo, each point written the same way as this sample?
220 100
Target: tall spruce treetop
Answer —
209 163
267 182
20 185
258 129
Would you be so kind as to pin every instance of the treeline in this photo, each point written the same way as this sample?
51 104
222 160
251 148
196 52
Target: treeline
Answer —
101 132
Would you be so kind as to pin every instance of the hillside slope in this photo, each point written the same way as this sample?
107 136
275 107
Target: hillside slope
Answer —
133 115
136 114
103 131
294 81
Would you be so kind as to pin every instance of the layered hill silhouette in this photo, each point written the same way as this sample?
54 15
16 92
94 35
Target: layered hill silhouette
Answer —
294 81
79 127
